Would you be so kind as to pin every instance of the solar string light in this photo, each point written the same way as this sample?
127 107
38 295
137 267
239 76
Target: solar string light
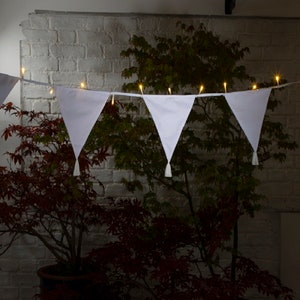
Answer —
176 107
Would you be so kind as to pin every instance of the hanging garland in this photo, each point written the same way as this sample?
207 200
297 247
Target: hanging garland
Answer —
80 109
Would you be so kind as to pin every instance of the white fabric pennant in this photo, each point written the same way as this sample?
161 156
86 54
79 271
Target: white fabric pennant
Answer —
249 108
80 110
7 83
169 113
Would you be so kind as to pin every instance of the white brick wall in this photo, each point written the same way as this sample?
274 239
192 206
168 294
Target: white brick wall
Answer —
67 48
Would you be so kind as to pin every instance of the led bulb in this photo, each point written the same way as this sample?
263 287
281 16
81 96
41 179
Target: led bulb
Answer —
201 88
23 71
225 86
141 88
113 100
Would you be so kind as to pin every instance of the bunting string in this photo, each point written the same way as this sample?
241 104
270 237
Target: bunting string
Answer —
80 109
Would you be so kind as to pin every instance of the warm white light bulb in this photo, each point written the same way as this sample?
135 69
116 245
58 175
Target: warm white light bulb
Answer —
82 85
141 88
23 71
201 88
225 86
113 99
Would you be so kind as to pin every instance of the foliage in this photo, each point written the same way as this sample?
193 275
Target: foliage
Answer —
158 256
211 164
39 195
159 249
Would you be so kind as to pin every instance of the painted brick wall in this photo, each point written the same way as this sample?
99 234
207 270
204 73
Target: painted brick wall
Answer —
67 48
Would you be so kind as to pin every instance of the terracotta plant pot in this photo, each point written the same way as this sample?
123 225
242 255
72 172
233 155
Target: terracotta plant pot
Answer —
76 287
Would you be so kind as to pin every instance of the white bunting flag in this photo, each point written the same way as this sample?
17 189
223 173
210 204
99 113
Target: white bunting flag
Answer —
169 113
249 108
7 83
80 110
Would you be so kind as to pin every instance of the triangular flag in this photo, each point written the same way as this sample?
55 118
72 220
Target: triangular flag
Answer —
7 83
80 110
249 108
169 113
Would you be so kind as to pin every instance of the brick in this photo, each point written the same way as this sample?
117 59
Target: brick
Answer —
86 37
147 24
285 52
67 51
39 21
121 38
118 175
40 77
116 190
54 107
115 24
67 36
35 92
67 64
27 265
29 279
68 78
9 293
29 293
94 50
40 63
119 65
95 80
222 26
25 48
68 21
112 81
252 40
113 51
104 176
24 252
40 35
41 105
9 265
95 23
94 65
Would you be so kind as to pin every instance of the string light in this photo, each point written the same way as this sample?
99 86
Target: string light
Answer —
201 88
169 90
51 90
225 86
277 79
82 85
254 86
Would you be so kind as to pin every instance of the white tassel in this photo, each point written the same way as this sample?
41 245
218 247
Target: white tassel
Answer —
255 159
168 172
76 171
